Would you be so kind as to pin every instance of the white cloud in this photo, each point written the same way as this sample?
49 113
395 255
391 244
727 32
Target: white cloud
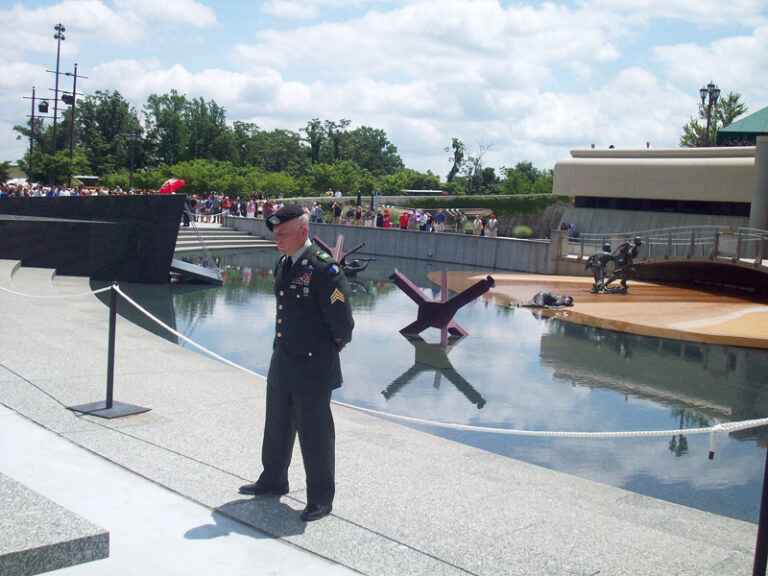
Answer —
531 81
175 12
730 62
291 10
700 11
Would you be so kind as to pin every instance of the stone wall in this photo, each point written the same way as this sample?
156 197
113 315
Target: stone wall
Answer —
509 254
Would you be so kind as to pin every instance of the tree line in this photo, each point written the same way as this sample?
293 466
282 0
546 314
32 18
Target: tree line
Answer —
189 138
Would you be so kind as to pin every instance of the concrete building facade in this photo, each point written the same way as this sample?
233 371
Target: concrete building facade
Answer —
620 190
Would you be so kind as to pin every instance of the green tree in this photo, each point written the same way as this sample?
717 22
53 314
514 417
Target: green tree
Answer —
243 142
525 178
407 179
165 127
279 151
315 138
205 127
60 166
371 149
5 171
456 159
472 169
724 112
41 145
278 185
335 133
344 175
103 121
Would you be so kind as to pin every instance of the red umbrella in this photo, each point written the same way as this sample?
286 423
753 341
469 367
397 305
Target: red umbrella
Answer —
170 186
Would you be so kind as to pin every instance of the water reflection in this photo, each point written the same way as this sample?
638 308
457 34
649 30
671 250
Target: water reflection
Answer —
517 370
434 357
710 383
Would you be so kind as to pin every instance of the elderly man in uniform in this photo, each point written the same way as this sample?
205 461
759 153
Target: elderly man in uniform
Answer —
314 322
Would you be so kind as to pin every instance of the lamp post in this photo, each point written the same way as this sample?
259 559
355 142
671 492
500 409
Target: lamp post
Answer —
71 99
59 36
709 96
31 138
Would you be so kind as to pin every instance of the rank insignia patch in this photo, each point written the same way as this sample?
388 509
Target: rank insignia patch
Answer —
337 296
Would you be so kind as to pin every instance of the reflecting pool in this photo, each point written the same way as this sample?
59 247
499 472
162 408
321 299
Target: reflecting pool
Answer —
518 370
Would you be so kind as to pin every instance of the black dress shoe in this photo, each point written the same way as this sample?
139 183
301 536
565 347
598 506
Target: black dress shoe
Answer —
315 512
257 489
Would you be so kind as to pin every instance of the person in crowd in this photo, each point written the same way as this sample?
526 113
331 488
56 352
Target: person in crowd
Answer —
193 207
314 322
492 227
336 211
267 208
461 222
208 207
216 208
185 221
402 221
250 209
440 220
477 226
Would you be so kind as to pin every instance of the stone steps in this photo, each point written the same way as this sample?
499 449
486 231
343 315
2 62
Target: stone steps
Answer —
218 238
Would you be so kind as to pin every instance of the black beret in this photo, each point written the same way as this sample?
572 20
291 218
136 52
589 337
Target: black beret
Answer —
287 212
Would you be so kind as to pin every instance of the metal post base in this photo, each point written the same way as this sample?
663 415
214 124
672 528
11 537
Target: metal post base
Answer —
100 409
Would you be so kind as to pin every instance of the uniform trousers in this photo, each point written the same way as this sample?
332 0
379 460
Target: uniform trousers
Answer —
308 413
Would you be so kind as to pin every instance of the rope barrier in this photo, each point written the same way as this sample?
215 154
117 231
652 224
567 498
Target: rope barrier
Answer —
713 431
180 335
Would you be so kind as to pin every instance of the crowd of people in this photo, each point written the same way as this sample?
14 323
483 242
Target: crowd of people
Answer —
210 207
38 190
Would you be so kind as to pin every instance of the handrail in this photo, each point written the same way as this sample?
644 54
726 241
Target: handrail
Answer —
707 242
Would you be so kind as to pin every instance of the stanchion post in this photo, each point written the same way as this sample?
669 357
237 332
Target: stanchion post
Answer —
761 548
111 351
110 408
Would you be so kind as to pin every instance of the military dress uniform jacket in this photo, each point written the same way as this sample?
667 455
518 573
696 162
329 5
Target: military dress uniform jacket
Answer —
313 323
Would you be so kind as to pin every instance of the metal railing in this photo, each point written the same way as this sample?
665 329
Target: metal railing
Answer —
743 245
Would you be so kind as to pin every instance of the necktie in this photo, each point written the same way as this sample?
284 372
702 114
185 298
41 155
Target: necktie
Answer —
287 265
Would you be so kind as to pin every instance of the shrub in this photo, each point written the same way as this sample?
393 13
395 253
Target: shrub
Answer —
522 232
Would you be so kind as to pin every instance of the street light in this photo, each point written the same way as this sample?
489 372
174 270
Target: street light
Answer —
59 36
713 93
71 99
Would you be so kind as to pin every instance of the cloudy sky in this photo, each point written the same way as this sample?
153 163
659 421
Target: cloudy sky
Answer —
522 80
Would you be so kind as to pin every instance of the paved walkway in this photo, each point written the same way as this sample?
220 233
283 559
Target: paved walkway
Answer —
164 483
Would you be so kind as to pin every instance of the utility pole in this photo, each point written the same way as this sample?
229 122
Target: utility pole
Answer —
43 108
59 36
71 99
